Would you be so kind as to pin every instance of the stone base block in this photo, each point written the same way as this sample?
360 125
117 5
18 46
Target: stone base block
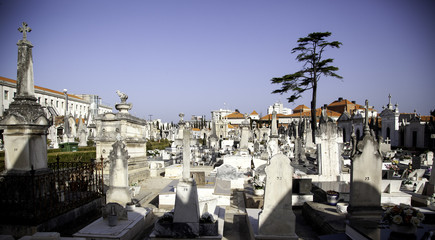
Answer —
124 230
186 230
253 227
220 212
395 198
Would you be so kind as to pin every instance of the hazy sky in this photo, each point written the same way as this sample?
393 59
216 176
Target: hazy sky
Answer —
197 56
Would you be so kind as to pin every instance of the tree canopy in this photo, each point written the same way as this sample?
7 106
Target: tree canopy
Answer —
309 51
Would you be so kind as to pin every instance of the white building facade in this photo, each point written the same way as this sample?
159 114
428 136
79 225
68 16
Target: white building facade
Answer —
54 102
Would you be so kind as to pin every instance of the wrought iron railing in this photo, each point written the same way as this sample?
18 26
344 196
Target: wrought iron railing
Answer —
37 196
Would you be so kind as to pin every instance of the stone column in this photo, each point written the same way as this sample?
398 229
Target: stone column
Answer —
274 127
25 82
186 153
186 209
25 125
244 135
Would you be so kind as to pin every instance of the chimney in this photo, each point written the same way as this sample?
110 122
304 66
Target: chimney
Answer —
340 99
354 102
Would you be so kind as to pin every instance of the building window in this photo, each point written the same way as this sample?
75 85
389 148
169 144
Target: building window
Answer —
39 100
6 95
46 102
15 94
57 103
51 102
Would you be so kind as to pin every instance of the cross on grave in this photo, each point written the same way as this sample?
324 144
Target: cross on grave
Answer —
366 125
24 29
387 141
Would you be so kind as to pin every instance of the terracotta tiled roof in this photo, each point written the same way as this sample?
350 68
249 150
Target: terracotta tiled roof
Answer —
235 115
253 113
269 116
427 118
300 107
40 88
196 129
329 113
230 126
340 103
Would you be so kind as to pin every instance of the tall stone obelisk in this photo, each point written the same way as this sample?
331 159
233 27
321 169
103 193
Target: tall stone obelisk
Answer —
186 209
25 125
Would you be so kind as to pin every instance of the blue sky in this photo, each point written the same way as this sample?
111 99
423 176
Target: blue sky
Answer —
197 56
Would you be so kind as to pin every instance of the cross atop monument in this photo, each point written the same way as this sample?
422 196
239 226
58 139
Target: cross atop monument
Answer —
366 126
24 29
389 106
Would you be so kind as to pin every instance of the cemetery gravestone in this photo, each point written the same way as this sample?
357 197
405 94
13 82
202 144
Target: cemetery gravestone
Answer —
429 158
277 217
119 191
366 177
186 210
25 125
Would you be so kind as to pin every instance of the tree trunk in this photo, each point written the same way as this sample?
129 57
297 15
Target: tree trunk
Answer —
313 112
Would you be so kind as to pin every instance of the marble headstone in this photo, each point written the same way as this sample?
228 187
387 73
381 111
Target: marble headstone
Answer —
119 191
365 177
186 210
277 218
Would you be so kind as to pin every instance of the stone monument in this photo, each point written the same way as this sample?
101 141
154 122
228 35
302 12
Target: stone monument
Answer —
244 135
82 133
25 125
272 144
277 220
186 210
328 149
123 107
119 191
131 128
365 176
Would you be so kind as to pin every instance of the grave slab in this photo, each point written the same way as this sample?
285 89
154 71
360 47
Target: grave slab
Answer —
366 229
324 218
221 191
220 212
395 198
252 218
124 230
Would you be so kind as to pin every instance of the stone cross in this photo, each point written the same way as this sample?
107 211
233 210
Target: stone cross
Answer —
387 141
366 125
25 82
24 29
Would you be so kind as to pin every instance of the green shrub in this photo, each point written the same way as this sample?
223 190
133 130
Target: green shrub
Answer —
164 143
80 156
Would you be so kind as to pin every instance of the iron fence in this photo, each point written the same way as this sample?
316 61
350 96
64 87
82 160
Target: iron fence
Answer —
37 196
